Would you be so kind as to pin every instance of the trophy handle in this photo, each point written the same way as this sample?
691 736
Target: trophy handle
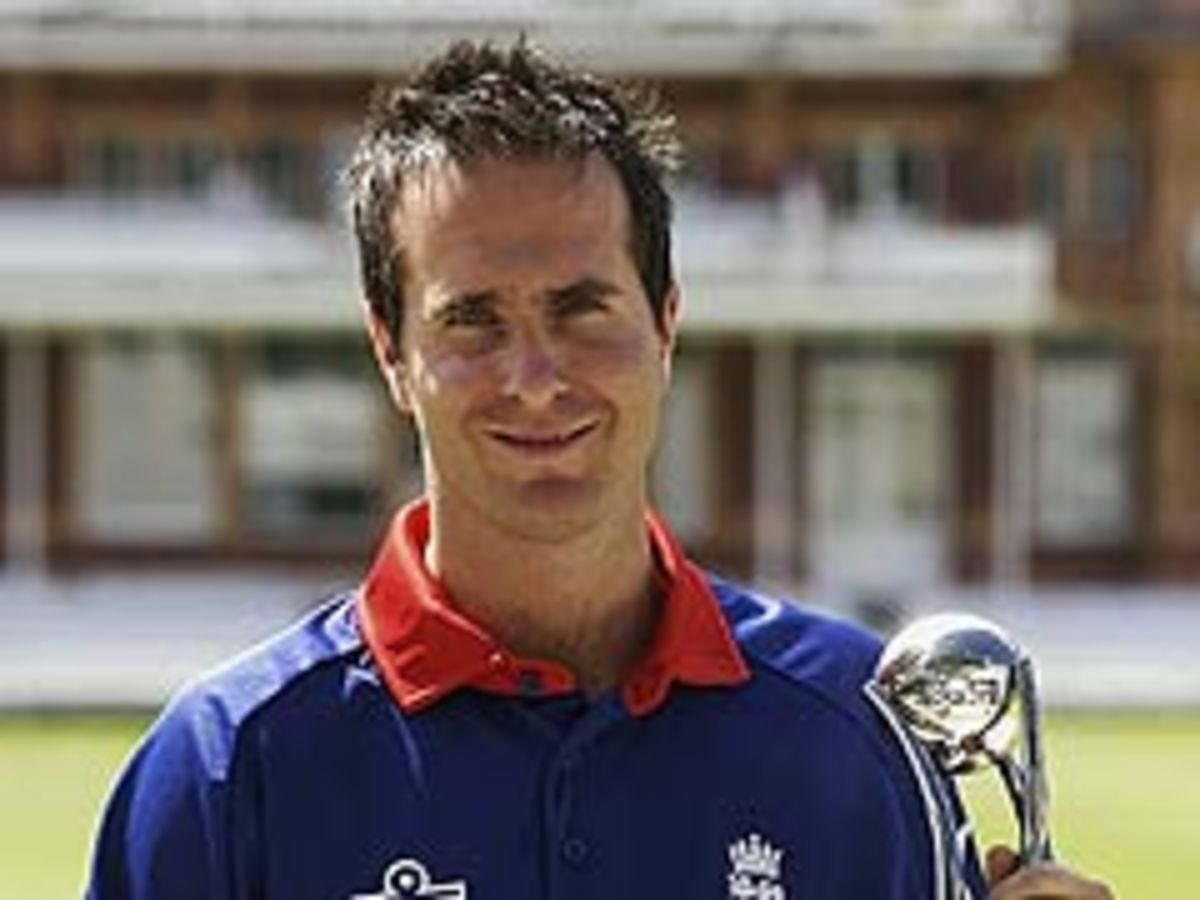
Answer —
1025 779
1035 801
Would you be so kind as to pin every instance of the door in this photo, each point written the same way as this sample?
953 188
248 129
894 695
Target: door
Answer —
879 470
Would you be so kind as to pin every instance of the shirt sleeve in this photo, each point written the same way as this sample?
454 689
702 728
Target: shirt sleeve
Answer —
163 831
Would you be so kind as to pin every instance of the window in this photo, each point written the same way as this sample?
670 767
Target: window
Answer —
312 440
879 438
146 470
112 163
1045 180
187 164
683 475
1114 188
880 172
284 172
1084 432
312 443
879 470
839 175
918 178
178 161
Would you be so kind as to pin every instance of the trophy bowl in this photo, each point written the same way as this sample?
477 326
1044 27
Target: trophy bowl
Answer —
966 691
952 679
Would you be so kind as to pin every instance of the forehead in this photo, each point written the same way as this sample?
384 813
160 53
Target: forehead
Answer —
506 212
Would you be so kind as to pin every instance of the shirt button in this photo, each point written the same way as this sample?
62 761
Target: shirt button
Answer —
575 851
529 682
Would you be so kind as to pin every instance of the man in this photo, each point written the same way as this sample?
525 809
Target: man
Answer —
534 693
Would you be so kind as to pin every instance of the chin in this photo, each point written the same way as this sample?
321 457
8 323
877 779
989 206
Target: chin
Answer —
555 509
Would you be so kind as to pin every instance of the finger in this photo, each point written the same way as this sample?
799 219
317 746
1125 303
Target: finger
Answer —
1001 862
1050 882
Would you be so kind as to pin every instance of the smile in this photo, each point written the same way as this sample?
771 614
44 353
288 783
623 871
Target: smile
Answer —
542 442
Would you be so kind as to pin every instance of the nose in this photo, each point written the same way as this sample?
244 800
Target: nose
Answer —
534 373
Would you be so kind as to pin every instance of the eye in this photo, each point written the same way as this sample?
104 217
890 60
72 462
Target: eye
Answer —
469 313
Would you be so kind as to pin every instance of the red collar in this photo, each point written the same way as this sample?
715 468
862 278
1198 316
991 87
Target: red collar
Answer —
426 649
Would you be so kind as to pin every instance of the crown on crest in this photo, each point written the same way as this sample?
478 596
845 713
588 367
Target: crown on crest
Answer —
755 857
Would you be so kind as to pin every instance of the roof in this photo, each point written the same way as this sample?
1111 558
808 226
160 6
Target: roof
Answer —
998 37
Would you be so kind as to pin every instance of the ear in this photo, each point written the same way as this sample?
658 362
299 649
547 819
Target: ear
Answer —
388 357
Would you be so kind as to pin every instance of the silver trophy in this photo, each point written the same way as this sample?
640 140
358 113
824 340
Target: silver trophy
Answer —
967 693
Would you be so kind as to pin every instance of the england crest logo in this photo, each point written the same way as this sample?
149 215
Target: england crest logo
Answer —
755 870
407 879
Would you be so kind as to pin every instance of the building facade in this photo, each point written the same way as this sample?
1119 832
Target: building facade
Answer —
940 263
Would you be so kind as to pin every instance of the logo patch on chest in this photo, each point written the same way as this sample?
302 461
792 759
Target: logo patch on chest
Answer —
407 879
755 870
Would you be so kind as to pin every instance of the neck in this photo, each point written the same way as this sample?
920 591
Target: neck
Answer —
587 601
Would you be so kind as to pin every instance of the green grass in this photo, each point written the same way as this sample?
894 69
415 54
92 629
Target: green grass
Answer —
54 774
1126 799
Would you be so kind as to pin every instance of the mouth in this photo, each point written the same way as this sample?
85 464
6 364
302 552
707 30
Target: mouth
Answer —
540 443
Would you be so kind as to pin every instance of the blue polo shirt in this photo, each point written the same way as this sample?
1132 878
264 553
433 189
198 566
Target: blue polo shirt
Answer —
389 747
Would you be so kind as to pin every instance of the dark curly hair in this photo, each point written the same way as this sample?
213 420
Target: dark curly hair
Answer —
477 100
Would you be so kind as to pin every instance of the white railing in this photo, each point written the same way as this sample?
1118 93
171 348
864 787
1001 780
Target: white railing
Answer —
789 264
1011 15
747 264
155 262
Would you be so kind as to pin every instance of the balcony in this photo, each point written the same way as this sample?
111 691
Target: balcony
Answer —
155 262
746 265
754 266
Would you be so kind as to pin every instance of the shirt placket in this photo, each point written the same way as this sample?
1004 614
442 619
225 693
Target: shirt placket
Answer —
572 850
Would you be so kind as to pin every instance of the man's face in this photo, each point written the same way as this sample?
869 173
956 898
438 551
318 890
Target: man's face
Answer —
530 358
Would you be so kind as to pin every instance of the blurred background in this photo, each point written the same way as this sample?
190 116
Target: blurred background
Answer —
941 347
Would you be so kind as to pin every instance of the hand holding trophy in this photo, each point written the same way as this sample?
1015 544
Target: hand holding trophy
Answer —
967 693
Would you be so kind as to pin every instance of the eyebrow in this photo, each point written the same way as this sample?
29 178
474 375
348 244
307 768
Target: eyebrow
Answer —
586 287
456 303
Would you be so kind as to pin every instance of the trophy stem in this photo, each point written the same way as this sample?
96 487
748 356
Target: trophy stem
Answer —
1035 830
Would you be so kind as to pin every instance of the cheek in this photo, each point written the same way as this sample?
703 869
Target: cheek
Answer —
631 354
635 381
444 378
